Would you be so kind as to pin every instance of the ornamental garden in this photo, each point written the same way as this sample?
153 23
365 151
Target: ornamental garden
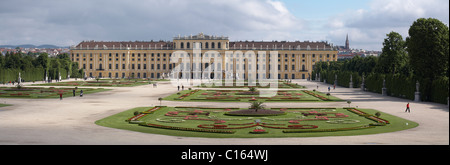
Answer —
251 95
100 83
44 93
251 123
257 120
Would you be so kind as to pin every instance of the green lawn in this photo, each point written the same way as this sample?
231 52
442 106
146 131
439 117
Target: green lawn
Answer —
181 121
100 83
245 96
43 93
4 105
245 84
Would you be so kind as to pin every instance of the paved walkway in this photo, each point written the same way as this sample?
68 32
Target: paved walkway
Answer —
71 121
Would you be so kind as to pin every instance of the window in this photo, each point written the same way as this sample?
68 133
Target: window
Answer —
139 66
145 66
293 67
90 66
188 45
181 46
285 67
212 45
303 55
110 67
206 45
117 67
218 45
123 66
132 66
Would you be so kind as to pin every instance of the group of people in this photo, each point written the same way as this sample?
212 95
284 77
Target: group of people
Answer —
182 87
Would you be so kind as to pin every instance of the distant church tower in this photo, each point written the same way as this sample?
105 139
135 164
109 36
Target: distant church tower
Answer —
347 44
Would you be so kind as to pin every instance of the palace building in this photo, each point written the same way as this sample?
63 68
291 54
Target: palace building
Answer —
152 59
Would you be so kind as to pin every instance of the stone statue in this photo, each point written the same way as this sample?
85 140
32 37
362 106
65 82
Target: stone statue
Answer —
351 78
384 83
20 79
417 86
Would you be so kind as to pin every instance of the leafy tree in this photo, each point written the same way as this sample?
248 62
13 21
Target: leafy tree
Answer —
428 48
2 61
394 54
257 105
43 61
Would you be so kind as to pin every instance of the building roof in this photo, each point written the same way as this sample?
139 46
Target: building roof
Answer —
124 45
285 45
257 45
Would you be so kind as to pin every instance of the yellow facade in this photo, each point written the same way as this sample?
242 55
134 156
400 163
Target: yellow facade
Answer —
295 60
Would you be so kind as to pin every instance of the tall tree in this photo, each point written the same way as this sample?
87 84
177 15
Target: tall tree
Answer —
394 55
428 48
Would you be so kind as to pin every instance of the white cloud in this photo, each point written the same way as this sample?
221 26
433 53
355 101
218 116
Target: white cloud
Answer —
368 28
66 22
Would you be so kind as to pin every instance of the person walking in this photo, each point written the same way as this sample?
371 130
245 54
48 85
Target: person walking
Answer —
74 93
407 108
178 88
329 88
81 93
60 96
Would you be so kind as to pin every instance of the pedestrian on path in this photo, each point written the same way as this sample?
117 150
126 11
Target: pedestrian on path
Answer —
407 108
81 93
60 96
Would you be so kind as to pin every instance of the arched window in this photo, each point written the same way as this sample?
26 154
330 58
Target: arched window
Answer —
188 45
206 45
218 45
212 45
182 45
303 67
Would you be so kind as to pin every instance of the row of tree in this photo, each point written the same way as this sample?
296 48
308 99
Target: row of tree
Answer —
35 67
422 57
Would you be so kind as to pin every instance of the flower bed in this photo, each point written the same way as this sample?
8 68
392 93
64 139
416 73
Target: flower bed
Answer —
328 130
316 95
189 129
368 116
258 130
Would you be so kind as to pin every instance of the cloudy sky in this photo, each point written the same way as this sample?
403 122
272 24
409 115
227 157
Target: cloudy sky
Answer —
68 22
